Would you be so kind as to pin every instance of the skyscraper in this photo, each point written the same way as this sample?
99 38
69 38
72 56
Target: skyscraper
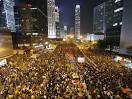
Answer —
113 17
51 19
77 22
57 22
41 6
30 25
99 19
108 19
57 14
126 31
72 31
65 31
7 14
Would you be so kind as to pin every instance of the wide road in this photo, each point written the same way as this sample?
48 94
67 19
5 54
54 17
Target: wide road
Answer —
66 65
58 75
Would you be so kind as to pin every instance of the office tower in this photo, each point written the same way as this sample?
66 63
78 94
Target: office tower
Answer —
72 32
61 31
30 25
77 22
99 19
113 17
7 15
57 14
108 19
51 19
2 18
126 31
57 22
65 32
41 9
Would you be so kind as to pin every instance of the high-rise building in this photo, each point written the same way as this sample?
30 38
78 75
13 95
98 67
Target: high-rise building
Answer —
126 31
72 32
65 31
41 9
99 19
57 14
51 19
57 22
108 19
2 18
7 14
113 17
61 31
77 22
30 25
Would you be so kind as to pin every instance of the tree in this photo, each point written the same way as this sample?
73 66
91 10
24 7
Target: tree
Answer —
102 44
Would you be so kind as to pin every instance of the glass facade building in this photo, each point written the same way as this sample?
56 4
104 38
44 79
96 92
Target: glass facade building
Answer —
108 19
51 18
77 22
99 19
57 21
113 16
65 31
30 26
7 14
126 31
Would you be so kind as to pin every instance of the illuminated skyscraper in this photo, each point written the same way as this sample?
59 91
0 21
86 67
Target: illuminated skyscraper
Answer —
57 22
65 32
57 14
99 19
126 31
77 22
108 20
113 16
51 19
7 15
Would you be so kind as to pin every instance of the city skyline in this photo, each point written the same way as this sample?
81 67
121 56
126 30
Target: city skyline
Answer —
77 22
106 15
51 18
67 13
66 49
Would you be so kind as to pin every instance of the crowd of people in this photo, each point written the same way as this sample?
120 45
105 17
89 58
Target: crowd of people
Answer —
49 76
109 79
57 75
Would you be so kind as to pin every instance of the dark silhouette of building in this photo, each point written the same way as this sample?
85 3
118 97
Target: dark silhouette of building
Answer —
113 17
31 25
108 19
126 31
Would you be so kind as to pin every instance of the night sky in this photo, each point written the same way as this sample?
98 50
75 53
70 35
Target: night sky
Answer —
67 11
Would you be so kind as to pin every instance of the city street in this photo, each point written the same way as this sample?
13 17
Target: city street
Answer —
59 75
65 49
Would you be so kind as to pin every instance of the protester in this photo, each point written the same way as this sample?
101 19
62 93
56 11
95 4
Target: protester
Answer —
52 75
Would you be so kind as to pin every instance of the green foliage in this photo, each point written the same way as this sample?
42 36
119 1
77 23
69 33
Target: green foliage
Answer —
102 44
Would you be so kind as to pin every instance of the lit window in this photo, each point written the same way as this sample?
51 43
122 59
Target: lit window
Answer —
117 1
115 24
119 9
120 23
